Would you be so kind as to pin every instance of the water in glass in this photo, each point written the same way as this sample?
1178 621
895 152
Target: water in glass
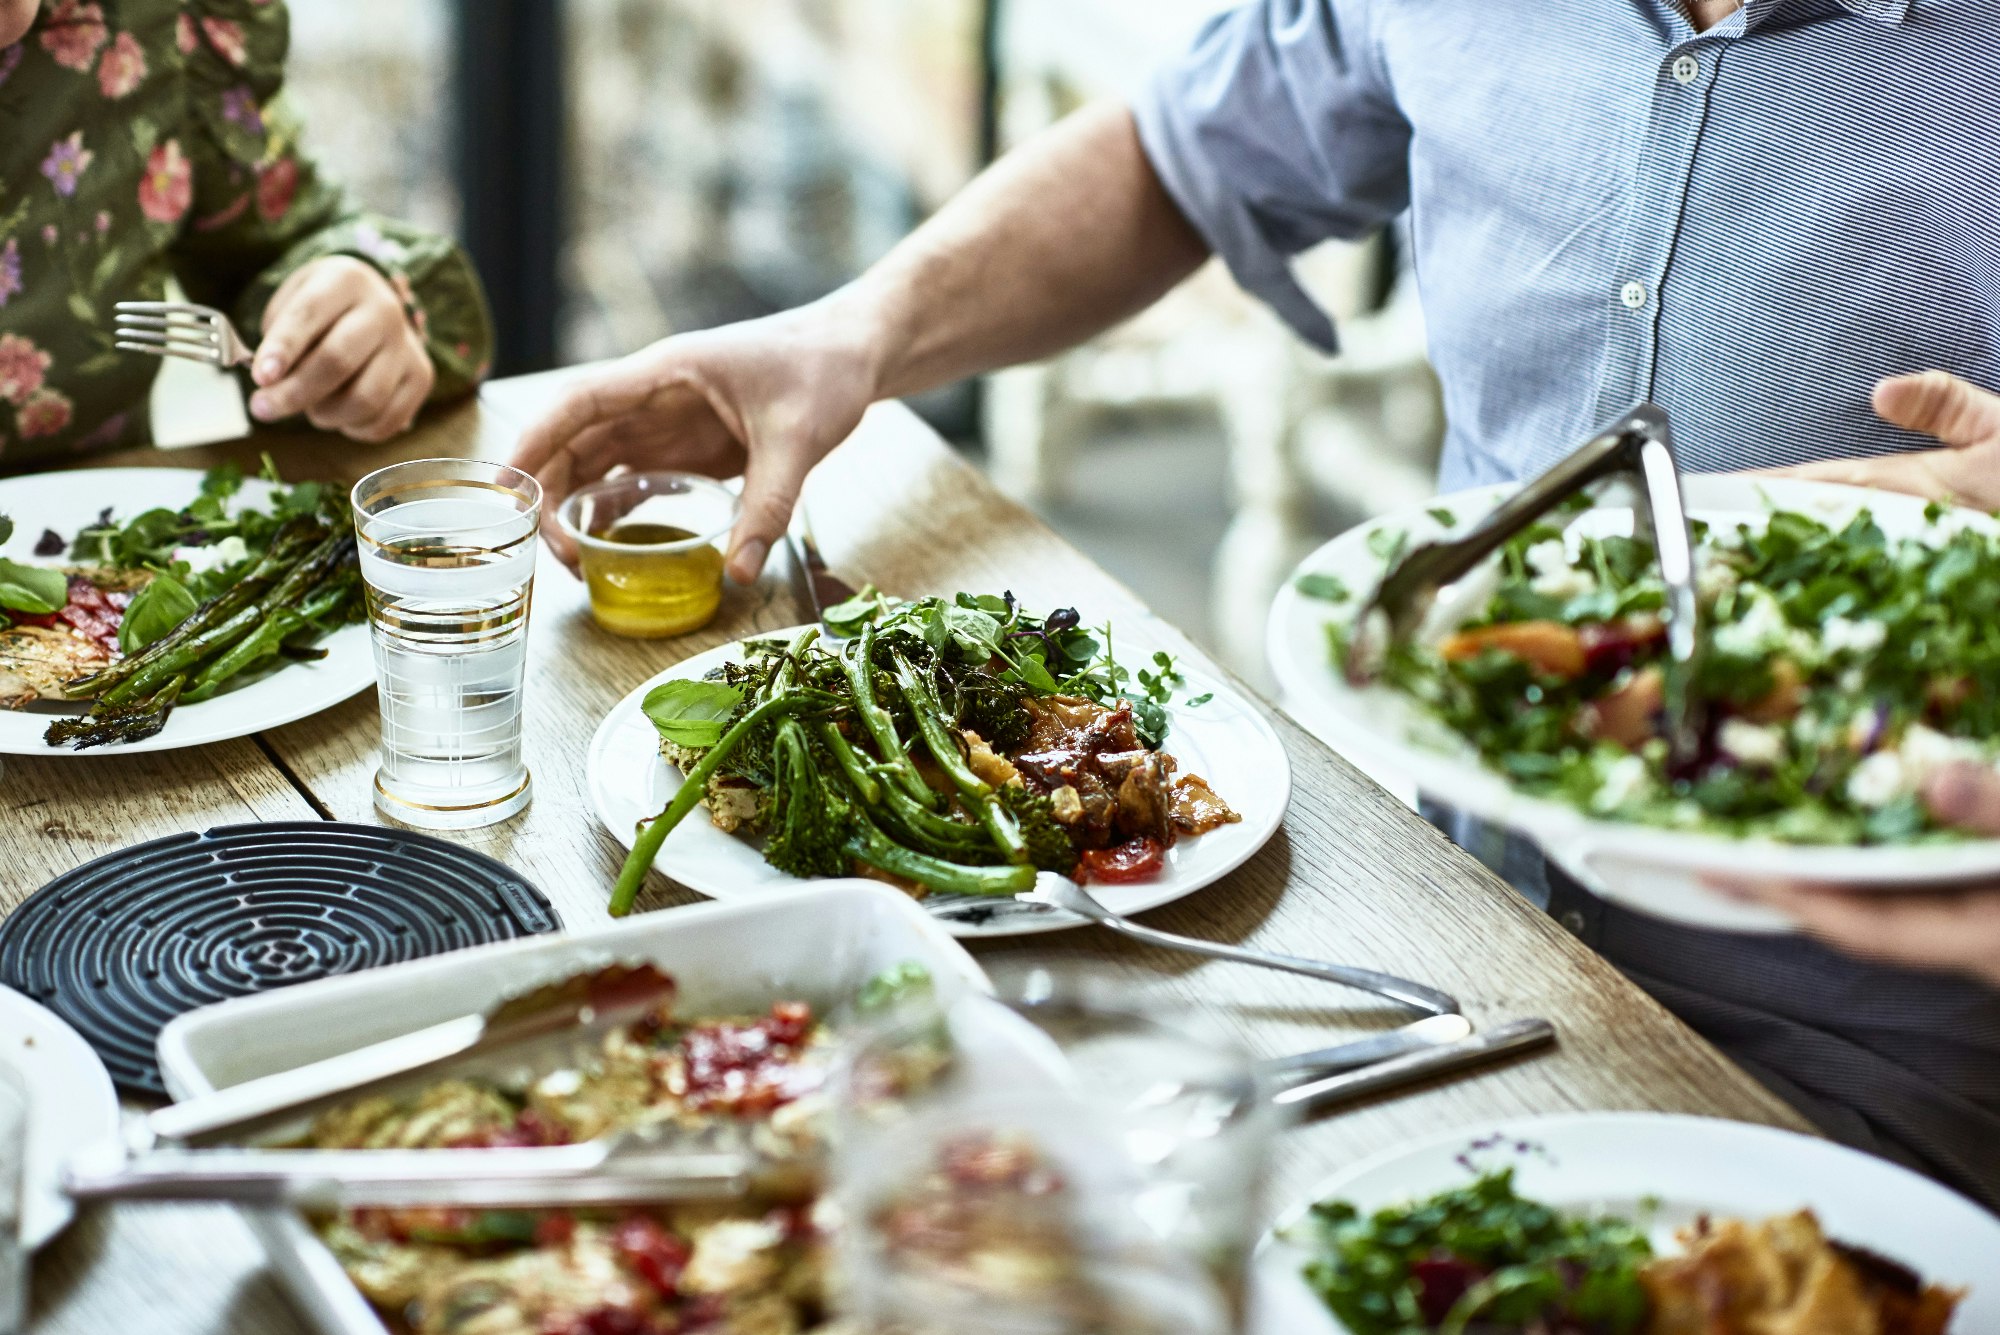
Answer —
449 566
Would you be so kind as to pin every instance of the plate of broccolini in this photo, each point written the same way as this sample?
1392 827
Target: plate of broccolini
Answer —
145 609
955 747
1847 634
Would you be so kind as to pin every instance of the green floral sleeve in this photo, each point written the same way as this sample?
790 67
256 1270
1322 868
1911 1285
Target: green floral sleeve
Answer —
259 208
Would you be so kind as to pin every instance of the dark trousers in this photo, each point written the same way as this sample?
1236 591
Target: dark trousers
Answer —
1897 1062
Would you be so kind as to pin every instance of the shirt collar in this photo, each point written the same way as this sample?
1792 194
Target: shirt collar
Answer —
1753 12
1891 12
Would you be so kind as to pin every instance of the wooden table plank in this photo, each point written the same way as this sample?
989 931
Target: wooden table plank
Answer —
1352 875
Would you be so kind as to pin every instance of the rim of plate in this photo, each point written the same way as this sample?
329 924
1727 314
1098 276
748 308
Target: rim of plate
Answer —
348 669
1314 688
1255 832
1753 1137
45 1210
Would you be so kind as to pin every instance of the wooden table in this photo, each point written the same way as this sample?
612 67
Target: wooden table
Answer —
1352 875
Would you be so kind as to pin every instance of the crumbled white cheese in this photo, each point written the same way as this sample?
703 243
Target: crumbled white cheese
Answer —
1751 743
1555 577
1925 751
1713 574
215 556
560 1084
1878 780
733 1256
1624 779
1761 627
1840 635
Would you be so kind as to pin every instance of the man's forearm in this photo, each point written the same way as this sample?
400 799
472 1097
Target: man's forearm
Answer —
1061 239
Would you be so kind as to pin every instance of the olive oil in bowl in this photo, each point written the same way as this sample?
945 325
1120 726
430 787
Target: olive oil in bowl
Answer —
641 590
649 576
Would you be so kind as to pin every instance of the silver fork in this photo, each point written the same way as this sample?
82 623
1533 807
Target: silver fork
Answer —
180 329
1056 893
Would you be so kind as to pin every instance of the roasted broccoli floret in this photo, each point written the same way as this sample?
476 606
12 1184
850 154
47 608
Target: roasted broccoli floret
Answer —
1049 844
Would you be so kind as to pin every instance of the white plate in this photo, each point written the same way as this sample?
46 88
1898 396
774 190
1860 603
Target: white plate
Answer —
71 1105
1652 869
1226 740
67 502
817 944
1692 1166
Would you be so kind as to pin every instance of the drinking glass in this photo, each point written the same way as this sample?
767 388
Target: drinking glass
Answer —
1054 1160
448 556
650 545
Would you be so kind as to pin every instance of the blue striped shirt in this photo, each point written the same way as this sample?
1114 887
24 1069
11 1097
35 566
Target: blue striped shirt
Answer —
1749 225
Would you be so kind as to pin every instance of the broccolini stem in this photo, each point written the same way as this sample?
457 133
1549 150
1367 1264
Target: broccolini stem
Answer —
651 836
879 851
857 659
865 785
942 742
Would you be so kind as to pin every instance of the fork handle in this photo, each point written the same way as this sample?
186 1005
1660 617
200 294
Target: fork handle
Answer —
1415 995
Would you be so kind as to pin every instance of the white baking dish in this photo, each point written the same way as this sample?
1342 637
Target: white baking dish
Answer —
817 944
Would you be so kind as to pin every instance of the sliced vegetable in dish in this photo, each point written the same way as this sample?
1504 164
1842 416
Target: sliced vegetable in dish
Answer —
741 1267
1841 671
952 745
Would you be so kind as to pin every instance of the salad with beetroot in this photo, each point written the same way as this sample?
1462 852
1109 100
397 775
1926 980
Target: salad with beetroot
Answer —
1842 669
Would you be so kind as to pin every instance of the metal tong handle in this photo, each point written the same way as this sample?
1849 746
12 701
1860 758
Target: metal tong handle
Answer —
1638 445
597 1173
1317 1096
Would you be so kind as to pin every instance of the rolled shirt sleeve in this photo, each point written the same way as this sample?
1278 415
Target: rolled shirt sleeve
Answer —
1277 131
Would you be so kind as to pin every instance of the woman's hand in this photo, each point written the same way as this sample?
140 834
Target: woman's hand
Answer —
769 399
339 347
1963 416
1956 931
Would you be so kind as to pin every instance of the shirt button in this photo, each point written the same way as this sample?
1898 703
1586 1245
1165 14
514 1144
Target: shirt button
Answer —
1686 69
1633 295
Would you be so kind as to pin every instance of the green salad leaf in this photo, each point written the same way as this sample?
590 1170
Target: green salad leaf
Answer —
1477 1257
692 713
156 609
36 590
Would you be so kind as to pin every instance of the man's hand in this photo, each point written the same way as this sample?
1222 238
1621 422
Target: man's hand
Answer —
768 399
339 347
1956 931
1963 416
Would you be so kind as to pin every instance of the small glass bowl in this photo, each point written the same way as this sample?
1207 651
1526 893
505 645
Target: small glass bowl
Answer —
650 545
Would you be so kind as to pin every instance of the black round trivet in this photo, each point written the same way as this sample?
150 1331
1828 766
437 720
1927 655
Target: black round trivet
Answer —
122 945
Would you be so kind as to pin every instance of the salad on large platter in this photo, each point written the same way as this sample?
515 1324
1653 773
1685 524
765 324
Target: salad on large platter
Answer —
1842 668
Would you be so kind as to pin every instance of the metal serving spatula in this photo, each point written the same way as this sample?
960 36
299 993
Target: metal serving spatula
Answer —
1638 446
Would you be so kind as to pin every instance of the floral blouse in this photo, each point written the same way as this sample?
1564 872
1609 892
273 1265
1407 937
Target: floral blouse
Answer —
142 138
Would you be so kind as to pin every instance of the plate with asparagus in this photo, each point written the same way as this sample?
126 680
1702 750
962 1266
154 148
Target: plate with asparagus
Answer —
145 609
955 746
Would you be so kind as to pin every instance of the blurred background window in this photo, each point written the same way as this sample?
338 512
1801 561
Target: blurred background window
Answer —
626 169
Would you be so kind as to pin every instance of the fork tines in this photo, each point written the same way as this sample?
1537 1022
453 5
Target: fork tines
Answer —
171 329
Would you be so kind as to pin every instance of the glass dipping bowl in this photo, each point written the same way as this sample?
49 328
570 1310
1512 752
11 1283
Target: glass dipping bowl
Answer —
650 545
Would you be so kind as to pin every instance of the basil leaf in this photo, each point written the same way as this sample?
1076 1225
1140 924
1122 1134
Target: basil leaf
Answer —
692 713
156 609
846 619
1327 588
36 590
893 986
6 528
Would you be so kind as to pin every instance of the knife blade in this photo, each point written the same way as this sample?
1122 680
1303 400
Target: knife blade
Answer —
1315 1096
818 587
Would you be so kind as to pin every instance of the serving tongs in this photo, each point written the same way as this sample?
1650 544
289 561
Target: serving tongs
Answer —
1638 447
192 1150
